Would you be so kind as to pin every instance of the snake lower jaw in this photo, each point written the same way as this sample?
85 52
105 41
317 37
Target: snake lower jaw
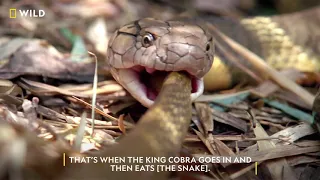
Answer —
131 80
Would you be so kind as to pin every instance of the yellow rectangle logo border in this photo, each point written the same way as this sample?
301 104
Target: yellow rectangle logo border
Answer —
14 10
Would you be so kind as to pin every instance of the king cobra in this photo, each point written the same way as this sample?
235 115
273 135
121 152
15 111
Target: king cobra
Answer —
288 41
140 49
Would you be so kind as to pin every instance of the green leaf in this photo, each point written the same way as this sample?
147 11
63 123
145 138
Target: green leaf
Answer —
298 114
79 51
68 34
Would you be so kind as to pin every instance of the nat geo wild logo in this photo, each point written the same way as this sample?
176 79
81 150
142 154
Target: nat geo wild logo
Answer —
26 13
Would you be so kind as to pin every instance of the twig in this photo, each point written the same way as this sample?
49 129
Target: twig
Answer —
94 90
272 124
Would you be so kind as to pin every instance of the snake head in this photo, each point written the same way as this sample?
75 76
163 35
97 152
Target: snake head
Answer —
150 45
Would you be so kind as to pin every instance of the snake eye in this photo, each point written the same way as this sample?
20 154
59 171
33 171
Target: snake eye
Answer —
147 40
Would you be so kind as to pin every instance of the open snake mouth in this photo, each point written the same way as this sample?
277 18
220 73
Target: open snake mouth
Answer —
144 83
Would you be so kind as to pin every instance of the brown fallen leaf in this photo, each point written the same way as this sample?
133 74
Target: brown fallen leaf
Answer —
33 58
205 117
230 120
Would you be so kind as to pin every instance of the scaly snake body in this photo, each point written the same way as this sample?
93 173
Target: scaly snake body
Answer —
150 45
286 41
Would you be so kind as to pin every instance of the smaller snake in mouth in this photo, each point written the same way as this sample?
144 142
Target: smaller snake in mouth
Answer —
139 49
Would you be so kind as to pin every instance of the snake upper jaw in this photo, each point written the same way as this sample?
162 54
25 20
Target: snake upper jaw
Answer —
130 80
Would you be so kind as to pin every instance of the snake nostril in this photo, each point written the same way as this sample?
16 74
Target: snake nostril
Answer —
208 47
